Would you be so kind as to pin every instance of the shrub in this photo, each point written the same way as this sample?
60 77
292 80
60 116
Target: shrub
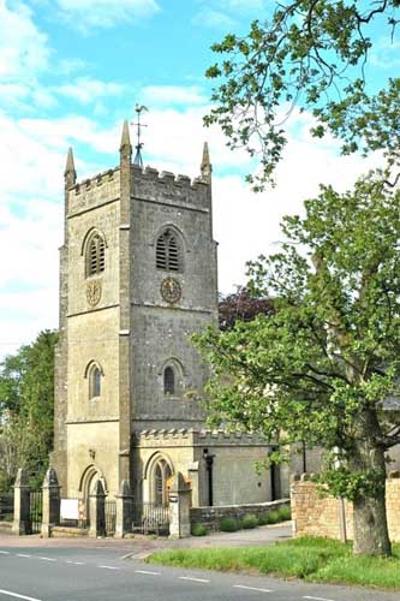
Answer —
198 530
284 513
229 525
273 517
249 521
263 519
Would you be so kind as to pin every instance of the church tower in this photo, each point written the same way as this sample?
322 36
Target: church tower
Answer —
138 276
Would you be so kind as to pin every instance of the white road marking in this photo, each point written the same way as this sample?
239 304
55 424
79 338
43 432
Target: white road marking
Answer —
47 558
4 553
17 596
148 573
253 588
316 598
193 579
74 563
23 555
108 567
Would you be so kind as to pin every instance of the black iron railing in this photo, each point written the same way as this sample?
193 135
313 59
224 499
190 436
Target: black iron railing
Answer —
7 507
150 518
110 510
36 511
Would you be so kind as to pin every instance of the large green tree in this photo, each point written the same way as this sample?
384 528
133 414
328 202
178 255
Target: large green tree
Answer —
312 55
26 409
324 363
322 366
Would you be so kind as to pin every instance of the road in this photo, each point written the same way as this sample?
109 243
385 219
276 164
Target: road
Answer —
68 573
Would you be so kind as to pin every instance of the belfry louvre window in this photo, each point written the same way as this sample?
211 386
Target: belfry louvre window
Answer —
169 380
168 252
95 259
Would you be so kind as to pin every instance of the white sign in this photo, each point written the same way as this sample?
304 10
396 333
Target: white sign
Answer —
69 509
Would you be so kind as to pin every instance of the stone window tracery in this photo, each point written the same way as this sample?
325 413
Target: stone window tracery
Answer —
161 475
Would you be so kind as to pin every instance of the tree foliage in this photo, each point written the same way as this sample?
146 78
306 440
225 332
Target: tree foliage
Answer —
311 54
26 409
241 305
323 366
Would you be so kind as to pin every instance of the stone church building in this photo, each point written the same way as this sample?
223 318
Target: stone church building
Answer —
138 276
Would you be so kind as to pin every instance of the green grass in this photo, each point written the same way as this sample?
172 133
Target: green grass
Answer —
311 559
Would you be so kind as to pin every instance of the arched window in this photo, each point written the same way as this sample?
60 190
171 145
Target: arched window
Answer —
169 380
161 474
94 382
95 255
168 252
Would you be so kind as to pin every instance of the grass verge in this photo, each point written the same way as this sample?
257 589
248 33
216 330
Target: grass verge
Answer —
308 558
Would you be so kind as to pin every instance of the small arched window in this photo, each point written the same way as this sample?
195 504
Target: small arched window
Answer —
95 255
169 380
94 382
168 252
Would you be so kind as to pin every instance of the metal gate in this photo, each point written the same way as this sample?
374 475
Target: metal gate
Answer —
110 510
151 518
7 506
35 511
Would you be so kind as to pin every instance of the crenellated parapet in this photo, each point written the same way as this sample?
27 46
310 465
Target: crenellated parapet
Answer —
102 188
147 183
193 437
170 188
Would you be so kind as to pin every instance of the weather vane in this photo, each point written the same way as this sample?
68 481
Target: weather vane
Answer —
138 156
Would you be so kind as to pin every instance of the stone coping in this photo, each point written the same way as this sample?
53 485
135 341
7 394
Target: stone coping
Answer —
148 173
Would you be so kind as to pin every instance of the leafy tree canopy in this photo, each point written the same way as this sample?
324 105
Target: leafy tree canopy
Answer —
241 305
311 54
26 409
322 365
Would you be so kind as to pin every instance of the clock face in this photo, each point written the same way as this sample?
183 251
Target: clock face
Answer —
93 292
171 290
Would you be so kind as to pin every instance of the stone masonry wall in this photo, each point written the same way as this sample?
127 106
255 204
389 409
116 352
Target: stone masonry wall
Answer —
315 515
393 505
212 516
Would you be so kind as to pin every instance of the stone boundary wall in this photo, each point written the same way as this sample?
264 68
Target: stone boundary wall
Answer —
212 516
315 515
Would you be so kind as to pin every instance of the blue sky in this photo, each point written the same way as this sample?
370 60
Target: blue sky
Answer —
70 72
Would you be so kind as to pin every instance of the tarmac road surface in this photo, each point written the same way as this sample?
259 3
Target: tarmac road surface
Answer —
71 573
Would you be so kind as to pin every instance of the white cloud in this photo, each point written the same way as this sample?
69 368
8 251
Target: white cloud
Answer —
32 154
209 17
173 95
385 54
87 90
243 5
24 50
254 219
224 14
105 13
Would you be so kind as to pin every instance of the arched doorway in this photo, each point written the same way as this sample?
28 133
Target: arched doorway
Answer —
88 480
